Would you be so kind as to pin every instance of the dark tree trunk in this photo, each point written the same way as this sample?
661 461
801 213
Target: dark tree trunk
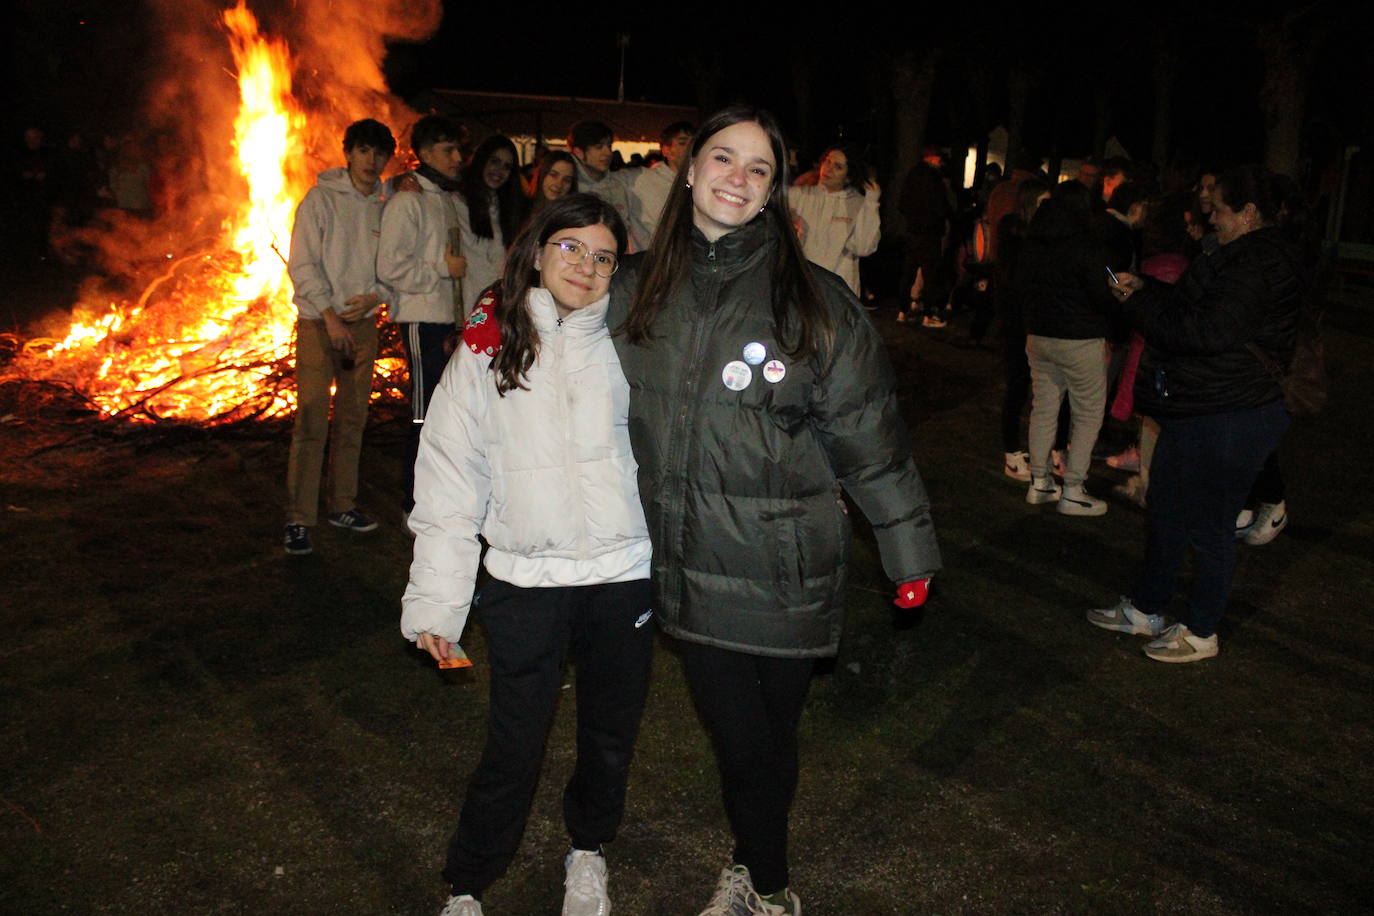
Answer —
912 85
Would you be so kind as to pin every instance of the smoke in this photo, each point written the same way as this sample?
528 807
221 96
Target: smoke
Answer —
185 132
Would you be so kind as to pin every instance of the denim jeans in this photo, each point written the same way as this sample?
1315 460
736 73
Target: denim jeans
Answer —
1200 475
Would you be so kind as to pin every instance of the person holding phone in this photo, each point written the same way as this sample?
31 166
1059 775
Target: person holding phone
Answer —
1210 342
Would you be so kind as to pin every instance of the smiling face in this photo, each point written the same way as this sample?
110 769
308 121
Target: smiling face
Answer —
499 166
557 180
1232 224
834 170
365 165
731 178
575 286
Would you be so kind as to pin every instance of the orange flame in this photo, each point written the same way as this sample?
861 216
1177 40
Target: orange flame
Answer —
216 343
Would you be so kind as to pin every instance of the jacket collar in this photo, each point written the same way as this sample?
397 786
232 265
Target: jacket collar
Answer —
584 321
745 245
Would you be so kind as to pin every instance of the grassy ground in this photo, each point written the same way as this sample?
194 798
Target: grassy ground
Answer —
193 722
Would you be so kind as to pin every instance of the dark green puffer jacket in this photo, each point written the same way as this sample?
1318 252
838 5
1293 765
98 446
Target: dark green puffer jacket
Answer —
739 486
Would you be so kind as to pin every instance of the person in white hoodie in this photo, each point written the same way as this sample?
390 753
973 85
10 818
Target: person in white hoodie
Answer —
527 444
838 223
418 260
591 143
652 185
333 270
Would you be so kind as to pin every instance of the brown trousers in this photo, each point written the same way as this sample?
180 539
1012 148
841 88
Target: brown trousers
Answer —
318 365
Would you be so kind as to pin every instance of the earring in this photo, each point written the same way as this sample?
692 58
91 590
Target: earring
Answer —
764 207
689 186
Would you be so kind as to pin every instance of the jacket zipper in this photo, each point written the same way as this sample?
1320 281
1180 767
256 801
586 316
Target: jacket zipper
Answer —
673 527
570 463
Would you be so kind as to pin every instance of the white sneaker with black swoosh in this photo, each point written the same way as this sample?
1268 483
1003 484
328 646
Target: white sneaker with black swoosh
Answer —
1270 519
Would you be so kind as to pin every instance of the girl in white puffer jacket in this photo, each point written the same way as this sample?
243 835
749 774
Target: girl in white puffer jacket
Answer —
526 443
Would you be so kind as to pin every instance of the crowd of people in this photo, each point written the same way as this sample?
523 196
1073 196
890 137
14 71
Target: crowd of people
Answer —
644 400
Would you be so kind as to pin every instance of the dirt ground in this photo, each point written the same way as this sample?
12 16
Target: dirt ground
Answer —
195 723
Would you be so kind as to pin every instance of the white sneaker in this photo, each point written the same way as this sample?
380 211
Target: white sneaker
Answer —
1126 618
791 908
1042 490
1178 644
585 887
735 895
1270 519
1016 465
1075 500
461 906
1244 522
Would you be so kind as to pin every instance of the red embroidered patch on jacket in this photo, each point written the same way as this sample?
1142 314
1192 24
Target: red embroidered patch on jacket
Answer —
481 334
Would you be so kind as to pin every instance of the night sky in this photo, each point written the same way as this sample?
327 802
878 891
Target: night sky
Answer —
86 63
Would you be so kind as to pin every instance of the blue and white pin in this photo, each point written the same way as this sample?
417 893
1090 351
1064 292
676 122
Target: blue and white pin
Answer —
755 353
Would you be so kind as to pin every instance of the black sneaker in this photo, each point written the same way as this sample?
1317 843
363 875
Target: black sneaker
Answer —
352 520
298 540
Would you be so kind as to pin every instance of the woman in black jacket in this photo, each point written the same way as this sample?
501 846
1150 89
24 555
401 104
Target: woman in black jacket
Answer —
1220 410
758 387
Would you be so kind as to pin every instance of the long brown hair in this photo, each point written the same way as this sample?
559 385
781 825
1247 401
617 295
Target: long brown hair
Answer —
519 337
510 197
804 324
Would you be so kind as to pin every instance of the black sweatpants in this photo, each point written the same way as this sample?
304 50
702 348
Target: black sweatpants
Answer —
425 361
751 705
609 630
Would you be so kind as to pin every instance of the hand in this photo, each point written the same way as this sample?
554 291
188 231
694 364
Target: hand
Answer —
872 189
339 336
359 306
408 182
438 647
912 594
1126 284
457 264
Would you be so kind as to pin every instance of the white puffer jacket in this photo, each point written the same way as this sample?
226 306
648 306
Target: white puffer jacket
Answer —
545 475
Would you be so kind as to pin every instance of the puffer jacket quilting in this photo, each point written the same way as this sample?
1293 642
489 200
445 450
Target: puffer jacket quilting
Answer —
1196 332
739 486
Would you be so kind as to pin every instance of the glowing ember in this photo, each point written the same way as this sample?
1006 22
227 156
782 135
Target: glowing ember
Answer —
210 339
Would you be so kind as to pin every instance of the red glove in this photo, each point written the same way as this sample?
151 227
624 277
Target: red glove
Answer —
912 594
481 335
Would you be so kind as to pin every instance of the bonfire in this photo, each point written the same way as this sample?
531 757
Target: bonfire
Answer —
209 340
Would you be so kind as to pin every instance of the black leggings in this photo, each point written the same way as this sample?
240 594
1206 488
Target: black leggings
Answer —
751 706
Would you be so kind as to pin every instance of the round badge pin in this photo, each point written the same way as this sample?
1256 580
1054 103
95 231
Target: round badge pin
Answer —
774 371
736 375
754 353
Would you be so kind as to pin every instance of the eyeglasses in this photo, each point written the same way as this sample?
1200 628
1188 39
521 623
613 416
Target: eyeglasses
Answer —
574 252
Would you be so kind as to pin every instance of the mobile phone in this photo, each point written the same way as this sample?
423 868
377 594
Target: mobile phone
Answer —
1113 276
